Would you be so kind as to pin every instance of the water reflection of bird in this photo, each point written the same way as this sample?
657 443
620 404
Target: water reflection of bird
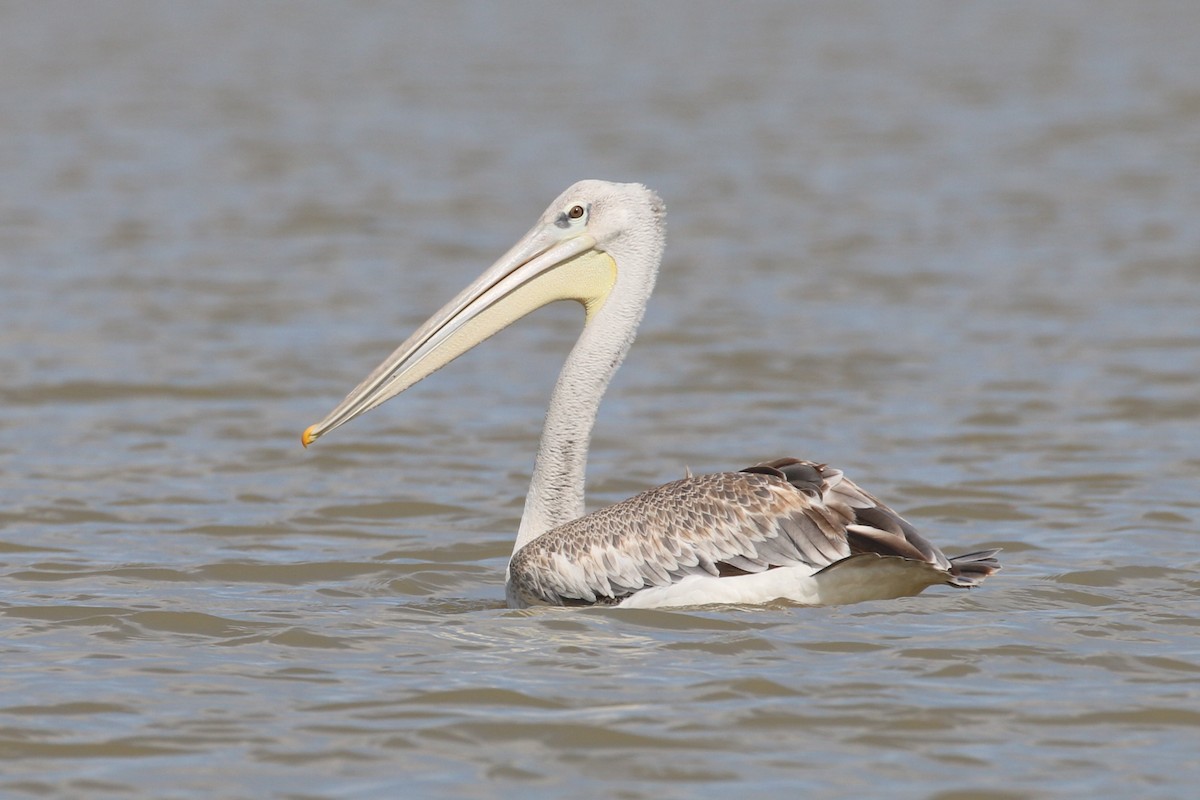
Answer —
786 529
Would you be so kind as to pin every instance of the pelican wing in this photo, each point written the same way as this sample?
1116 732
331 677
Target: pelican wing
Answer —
781 513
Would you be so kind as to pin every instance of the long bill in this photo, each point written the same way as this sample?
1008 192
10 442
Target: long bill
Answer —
544 266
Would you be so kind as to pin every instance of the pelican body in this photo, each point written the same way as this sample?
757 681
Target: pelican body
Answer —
787 529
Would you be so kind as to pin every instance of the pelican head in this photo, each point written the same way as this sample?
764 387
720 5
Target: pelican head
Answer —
599 244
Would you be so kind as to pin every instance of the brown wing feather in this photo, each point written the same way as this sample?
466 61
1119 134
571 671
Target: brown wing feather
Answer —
774 514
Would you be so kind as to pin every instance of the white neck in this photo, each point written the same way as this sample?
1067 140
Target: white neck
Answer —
556 491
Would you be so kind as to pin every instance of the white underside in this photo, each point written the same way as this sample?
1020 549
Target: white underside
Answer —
854 580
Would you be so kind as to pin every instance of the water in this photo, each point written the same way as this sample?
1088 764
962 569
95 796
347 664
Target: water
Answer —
950 248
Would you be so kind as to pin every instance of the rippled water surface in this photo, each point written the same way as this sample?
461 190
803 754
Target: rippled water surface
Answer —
952 248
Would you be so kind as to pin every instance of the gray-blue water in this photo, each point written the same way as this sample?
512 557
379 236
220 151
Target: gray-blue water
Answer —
950 248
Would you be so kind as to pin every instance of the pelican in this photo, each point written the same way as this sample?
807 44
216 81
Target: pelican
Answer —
783 530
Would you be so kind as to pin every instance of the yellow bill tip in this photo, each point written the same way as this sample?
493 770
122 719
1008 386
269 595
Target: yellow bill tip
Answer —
308 437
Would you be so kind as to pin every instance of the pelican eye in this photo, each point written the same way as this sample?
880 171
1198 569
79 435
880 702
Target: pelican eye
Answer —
571 217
